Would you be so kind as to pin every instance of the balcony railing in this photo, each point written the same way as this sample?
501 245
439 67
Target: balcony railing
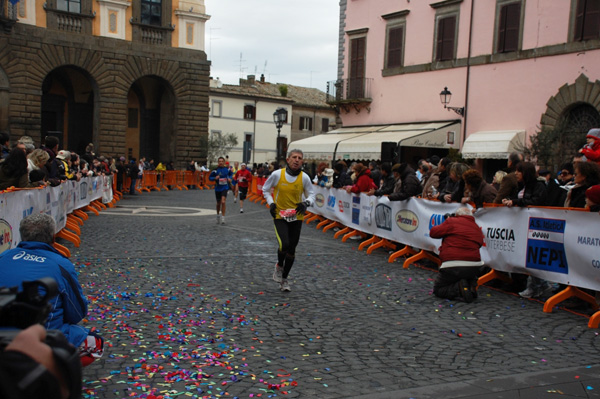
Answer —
8 15
345 93
70 22
349 90
150 34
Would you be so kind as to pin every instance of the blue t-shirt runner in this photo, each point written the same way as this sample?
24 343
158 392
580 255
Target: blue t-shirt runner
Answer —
222 177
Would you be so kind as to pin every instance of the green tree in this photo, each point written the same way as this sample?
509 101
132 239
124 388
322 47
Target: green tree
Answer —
217 145
552 147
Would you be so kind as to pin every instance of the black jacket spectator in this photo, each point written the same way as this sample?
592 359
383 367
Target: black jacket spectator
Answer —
410 186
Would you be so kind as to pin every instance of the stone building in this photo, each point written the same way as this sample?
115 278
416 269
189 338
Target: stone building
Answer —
129 76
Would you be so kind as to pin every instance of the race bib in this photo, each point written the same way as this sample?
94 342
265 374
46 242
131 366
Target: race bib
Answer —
289 215
222 181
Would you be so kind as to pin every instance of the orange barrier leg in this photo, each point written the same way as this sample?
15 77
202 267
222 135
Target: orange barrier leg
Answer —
381 243
594 320
567 293
407 250
89 208
353 233
62 249
494 274
98 204
421 255
368 242
67 235
73 227
75 219
81 214
332 225
323 223
314 217
342 232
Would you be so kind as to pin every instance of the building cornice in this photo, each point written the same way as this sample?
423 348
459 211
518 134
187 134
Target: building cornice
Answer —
394 15
445 3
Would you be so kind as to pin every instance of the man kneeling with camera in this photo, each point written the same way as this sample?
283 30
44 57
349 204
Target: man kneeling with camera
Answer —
35 258
459 253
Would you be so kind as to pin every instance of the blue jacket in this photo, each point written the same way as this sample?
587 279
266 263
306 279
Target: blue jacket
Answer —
32 260
220 176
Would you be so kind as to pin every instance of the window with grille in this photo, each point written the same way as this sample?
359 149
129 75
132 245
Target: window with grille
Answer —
446 37
73 6
509 27
151 12
587 20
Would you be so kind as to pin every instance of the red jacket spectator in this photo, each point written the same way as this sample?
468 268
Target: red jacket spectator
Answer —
592 149
462 238
364 182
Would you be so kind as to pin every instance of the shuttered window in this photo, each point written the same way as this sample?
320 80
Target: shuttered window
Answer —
587 20
357 67
446 38
249 112
508 28
394 49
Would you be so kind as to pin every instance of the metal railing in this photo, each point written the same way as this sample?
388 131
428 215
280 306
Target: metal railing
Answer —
349 89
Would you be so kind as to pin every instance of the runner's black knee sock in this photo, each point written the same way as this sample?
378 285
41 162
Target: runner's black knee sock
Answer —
280 258
289 261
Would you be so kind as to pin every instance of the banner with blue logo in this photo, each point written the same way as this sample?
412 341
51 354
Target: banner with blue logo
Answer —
561 246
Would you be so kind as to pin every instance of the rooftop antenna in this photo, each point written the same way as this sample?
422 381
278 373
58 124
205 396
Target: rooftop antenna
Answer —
265 68
242 68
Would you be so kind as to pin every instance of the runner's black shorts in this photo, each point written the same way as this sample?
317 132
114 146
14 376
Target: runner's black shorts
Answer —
221 194
243 192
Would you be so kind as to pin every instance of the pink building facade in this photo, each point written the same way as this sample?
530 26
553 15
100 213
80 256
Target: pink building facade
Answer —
516 66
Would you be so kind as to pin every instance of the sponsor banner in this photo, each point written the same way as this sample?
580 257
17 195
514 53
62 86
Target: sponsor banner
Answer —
55 201
557 245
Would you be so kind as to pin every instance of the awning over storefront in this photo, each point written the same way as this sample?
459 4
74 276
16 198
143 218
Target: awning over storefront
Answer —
364 142
493 144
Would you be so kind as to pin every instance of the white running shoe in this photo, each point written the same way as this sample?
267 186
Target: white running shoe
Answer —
222 219
234 200
218 219
241 211
278 273
285 286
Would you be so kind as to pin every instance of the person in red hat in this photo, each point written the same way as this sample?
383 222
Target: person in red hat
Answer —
592 198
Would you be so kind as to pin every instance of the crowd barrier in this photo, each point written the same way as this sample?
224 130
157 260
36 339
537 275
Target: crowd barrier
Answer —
67 203
556 244
169 180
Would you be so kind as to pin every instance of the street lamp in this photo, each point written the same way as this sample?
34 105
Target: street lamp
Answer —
279 117
445 97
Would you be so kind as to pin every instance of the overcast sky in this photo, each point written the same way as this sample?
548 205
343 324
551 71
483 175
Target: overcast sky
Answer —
290 41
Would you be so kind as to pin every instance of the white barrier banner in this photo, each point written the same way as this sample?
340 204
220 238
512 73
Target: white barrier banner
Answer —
557 245
55 201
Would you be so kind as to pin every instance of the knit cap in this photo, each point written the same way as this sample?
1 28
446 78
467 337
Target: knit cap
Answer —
593 194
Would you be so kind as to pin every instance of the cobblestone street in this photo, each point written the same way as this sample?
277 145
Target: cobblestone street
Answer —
189 309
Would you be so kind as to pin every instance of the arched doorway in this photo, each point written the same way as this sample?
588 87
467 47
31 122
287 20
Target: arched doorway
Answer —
151 120
69 111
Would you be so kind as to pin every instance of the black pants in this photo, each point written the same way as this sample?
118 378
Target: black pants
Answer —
446 282
288 235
